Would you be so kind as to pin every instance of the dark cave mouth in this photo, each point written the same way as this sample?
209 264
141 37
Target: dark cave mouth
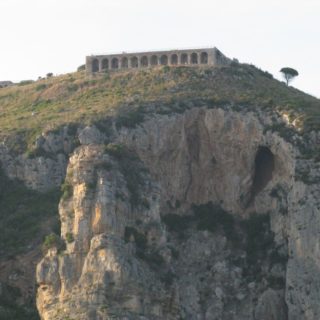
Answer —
263 170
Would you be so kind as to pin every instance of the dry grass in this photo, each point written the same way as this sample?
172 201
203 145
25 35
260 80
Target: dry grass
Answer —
49 103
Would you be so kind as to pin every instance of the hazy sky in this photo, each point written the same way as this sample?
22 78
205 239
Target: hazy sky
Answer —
41 36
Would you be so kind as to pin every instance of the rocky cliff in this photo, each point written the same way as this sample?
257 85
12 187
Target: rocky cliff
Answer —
198 215
206 212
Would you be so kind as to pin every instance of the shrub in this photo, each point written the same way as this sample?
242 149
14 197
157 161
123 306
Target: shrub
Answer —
41 86
145 203
139 238
166 69
285 132
168 278
72 87
175 253
153 258
130 118
132 170
52 240
12 309
276 283
38 152
105 166
210 216
25 82
91 186
118 151
278 192
277 257
177 223
69 237
106 75
67 190
81 68
259 237
24 223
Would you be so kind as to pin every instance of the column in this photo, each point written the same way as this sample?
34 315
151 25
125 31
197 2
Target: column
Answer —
119 62
100 64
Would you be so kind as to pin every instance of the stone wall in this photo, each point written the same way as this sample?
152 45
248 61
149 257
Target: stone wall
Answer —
206 56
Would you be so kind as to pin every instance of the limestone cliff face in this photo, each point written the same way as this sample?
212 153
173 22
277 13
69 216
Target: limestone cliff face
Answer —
141 240
45 167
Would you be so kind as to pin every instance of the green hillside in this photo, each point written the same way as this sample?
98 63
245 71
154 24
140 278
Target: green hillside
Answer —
49 103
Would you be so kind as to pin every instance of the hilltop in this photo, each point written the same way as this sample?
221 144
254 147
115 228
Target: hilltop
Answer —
47 104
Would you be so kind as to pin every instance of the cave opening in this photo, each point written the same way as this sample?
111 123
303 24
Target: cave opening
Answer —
264 167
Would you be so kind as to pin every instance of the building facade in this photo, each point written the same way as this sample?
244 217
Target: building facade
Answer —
4 84
192 57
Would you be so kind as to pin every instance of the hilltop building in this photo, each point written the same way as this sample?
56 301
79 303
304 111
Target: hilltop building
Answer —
4 84
190 57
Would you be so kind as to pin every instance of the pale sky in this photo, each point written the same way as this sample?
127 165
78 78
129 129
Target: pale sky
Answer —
41 36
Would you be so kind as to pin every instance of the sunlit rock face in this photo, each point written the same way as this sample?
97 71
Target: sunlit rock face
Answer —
187 216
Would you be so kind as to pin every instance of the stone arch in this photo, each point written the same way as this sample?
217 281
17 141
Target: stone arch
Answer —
204 58
105 64
124 63
194 58
144 61
115 63
95 65
164 60
174 59
134 62
154 60
184 58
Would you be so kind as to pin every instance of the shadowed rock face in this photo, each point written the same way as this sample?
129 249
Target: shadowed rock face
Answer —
264 166
161 226
263 170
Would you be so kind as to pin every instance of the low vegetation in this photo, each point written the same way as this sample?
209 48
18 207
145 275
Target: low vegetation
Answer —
259 237
67 190
52 241
25 217
132 234
209 217
152 257
21 222
252 238
176 222
10 310
69 237
46 104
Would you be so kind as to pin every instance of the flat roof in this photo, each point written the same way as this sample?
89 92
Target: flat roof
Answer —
152 52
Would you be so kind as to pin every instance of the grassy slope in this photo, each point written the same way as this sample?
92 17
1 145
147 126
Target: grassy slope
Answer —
78 98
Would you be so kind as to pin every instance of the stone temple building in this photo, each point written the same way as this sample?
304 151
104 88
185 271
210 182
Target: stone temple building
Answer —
4 84
124 60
